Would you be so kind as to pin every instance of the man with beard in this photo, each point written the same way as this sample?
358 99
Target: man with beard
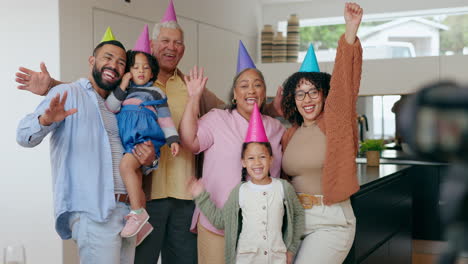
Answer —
90 199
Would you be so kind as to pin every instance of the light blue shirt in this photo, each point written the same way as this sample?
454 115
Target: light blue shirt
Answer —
81 158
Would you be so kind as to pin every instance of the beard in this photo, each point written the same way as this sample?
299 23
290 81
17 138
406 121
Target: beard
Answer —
97 75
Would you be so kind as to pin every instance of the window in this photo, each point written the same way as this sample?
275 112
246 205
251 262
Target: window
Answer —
380 114
397 35
383 118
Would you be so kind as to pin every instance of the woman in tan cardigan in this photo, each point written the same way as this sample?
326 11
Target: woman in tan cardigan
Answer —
320 149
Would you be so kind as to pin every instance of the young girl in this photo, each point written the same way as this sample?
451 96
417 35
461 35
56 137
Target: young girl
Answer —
144 116
262 218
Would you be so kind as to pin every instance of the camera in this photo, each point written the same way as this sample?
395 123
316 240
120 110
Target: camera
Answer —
434 123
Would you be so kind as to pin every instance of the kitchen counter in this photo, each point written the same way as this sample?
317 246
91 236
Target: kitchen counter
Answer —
391 162
369 174
399 157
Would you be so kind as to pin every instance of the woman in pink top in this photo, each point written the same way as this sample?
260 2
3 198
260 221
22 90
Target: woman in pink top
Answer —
220 134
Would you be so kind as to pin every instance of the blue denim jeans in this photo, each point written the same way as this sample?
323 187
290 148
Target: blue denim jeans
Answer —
101 242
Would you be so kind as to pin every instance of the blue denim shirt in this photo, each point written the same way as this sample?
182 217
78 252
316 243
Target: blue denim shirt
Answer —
80 155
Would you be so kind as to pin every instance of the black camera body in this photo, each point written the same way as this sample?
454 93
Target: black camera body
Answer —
434 122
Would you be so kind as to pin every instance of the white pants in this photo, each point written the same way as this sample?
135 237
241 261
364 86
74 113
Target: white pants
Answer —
329 234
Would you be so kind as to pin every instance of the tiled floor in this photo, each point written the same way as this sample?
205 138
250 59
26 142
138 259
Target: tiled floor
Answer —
428 252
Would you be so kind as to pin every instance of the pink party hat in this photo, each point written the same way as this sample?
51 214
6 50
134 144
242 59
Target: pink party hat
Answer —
169 15
143 42
256 130
243 58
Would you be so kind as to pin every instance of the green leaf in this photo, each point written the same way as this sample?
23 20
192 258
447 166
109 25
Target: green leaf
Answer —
372 145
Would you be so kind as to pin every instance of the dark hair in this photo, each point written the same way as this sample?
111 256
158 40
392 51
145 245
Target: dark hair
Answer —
244 147
152 61
231 106
110 42
321 80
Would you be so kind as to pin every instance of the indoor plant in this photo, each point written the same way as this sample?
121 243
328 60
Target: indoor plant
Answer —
372 148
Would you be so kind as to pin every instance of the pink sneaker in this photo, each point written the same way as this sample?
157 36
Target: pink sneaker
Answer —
134 223
144 232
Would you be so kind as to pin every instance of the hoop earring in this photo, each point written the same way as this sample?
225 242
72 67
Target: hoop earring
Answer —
234 101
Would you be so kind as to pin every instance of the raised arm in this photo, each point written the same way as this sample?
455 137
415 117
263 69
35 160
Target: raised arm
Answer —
38 83
353 16
346 77
188 127
48 115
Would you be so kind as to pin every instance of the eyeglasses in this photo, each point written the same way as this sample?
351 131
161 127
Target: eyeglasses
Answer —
300 95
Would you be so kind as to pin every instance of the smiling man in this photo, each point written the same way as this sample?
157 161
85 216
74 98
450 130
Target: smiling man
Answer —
170 206
89 195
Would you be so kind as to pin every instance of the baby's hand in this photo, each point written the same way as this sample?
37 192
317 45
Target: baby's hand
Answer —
195 186
175 149
125 81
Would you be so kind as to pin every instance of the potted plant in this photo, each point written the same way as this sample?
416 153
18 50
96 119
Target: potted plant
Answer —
372 148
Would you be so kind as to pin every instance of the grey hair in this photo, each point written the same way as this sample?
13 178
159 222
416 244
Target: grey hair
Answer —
168 24
231 105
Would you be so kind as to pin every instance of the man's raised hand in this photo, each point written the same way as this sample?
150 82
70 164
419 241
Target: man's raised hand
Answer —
56 111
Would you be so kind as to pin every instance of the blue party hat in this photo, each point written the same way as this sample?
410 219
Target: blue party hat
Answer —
310 61
243 58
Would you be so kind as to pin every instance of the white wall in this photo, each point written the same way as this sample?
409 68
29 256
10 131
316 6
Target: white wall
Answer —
29 35
212 30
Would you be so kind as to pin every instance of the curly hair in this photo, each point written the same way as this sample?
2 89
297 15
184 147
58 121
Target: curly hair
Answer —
244 148
231 106
152 61
321 80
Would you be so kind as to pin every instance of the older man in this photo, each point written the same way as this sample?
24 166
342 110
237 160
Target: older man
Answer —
89 195
171 206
